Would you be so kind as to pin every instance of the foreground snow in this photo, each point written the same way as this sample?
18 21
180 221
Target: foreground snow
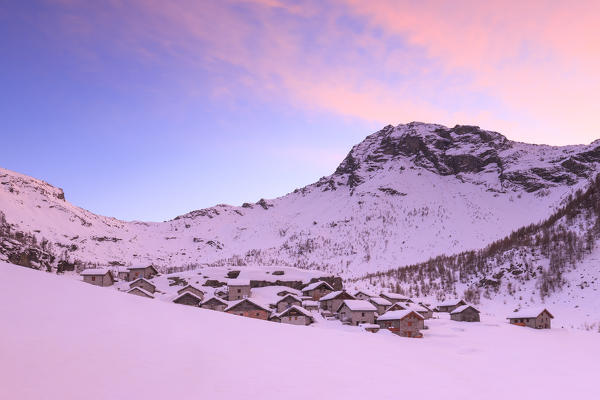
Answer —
63 339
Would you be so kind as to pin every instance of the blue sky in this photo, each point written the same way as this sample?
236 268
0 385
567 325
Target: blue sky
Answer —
146 109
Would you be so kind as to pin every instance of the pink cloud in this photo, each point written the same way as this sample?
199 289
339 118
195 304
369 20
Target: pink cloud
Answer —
537 60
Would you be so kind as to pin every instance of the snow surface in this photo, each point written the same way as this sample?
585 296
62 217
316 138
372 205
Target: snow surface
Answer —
63 339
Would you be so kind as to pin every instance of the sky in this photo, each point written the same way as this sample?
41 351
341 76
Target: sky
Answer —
148 109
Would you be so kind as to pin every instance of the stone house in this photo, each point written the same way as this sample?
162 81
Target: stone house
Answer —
215 304
363 295
139 291
465 313
380 303
98 276
133 273
144 284
188 299
407 323
356 312
238 289
310 305
248 308
192 289
286 302
449 305
295 315
275 318
395 297
332 301
538 318
317 290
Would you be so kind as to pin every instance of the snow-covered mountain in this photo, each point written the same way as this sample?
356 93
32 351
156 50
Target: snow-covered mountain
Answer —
403 195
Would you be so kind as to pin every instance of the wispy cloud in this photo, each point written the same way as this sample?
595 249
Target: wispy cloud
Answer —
526 68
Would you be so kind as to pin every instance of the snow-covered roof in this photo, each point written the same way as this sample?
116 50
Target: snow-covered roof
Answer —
238 282
187 294
249 301
460 309
529 313
301 310
395 296
317 284
186 287
94 271
449 303
137 288
142 280
141 267
215 298
419 308
289 295
364 292
333 295
358 305
380 301
397 314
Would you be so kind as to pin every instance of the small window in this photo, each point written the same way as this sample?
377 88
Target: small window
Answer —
239 290
93 278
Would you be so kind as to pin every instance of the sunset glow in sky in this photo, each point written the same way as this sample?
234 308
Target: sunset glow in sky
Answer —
146 109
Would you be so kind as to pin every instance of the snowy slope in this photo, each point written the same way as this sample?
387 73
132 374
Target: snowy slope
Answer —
110 345
403 195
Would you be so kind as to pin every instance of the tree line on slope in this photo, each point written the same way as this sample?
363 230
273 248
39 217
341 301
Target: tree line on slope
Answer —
563 239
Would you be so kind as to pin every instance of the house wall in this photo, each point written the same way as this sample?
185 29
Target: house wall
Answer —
254 313
357 317
332 305
144 285
123 276
187 300
316 294
238 292
468 315
98 280
409 327
296 320
215 306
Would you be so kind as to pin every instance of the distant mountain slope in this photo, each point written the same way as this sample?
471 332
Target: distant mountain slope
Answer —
556 262
401 196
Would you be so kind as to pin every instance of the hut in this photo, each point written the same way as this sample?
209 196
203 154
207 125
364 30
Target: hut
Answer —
188 299
406 323
449 305
538 318
317 290
238 289
249 308
296 315
356 312
191 289
380 303
138 291
136 272
395 297
465 313
363 295
286 302
332 301
275 318
214 303
144 284
98 276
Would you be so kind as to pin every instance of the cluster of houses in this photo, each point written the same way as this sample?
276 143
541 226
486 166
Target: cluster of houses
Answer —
392 311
